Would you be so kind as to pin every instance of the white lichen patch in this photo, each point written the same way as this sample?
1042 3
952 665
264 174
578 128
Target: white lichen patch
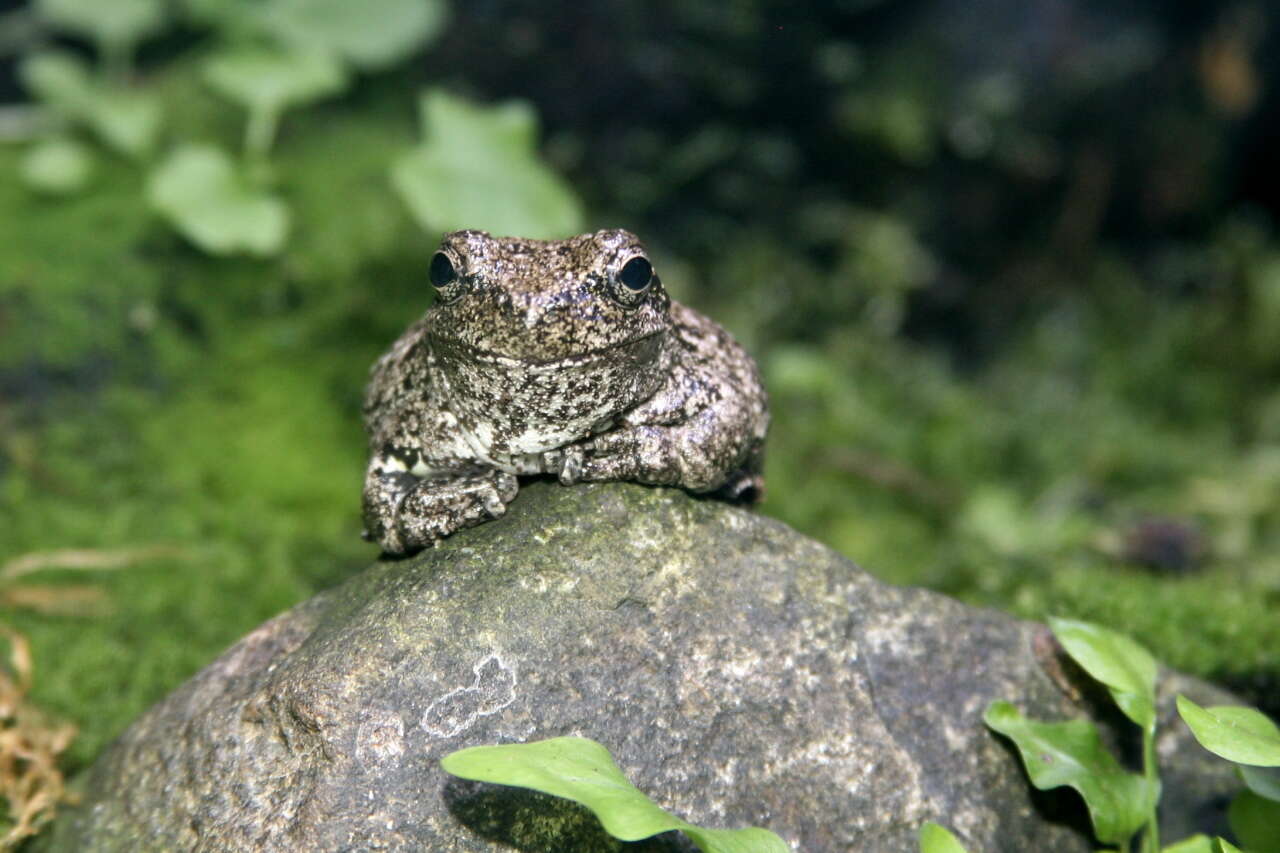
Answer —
493 689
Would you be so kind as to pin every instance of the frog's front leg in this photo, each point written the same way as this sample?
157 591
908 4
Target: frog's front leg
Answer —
698 454
404 512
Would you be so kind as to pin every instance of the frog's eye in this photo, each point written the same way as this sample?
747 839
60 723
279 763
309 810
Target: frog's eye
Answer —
442 273
636 274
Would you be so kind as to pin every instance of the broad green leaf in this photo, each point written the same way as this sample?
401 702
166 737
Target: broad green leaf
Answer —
1263 781
477 168
199 191
127 121
241 19
1256 822
370 34
937 839
1071 753
1242 735
269 80
57 166
107 22
59 79
1194 844
582 770
1126 668
1222 845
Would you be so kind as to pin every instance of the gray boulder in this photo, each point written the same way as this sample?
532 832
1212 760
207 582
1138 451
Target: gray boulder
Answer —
740 673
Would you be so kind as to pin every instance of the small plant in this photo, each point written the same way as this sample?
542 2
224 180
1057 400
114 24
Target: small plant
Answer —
1252 741
273 56
1121 803
477 166
583 771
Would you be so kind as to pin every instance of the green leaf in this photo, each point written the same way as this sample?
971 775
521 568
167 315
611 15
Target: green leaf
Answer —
1242 735
59 79
371 34
116 23
937 839
1263 781
236 19
1222 845
477 169
1071 753
1194 844
57 166
126 120
1256 822
582 770
1126 668
269 80
199 191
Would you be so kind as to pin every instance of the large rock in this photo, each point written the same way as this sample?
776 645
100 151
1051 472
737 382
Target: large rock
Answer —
739 672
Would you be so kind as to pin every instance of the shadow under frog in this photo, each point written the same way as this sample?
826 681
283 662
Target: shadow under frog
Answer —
559 357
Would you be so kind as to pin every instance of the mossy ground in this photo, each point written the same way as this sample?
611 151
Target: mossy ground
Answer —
152 395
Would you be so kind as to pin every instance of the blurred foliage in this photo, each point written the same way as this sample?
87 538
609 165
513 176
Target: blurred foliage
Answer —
478 165
1010 270
269 57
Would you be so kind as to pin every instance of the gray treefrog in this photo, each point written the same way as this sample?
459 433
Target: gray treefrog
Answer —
562 357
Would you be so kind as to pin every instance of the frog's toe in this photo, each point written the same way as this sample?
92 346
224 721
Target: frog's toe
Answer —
505 486
565 463
495 497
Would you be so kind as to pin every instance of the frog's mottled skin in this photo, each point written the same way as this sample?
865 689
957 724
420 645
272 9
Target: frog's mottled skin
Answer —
542 357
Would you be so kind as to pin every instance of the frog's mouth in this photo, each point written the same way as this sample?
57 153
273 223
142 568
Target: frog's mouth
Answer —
637 350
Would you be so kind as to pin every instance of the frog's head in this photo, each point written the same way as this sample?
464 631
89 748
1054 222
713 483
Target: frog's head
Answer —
587 299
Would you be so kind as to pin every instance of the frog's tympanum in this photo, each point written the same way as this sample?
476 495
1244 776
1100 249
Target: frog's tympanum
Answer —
561 357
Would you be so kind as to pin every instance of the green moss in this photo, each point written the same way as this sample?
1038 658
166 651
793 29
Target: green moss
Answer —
208 405
1017 487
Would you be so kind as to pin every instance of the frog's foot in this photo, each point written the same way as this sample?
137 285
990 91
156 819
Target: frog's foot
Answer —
658 455
565 463
429 510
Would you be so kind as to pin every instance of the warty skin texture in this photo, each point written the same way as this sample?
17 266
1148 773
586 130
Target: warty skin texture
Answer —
561 357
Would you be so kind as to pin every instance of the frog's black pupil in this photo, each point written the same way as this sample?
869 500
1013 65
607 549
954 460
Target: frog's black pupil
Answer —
442 271
636 274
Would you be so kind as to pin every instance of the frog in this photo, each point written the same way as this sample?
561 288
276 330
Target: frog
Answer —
562 359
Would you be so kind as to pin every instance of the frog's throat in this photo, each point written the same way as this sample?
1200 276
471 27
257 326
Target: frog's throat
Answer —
508 406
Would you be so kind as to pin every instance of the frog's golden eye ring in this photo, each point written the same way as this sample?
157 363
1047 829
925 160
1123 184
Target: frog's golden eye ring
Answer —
636 274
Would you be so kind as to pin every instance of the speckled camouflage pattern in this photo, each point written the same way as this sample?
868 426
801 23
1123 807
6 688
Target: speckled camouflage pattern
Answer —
537 358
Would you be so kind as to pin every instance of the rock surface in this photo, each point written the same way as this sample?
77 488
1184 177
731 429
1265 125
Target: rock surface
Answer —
740 673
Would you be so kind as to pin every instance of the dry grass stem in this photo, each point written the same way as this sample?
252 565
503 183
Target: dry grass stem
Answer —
70 599
83 559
